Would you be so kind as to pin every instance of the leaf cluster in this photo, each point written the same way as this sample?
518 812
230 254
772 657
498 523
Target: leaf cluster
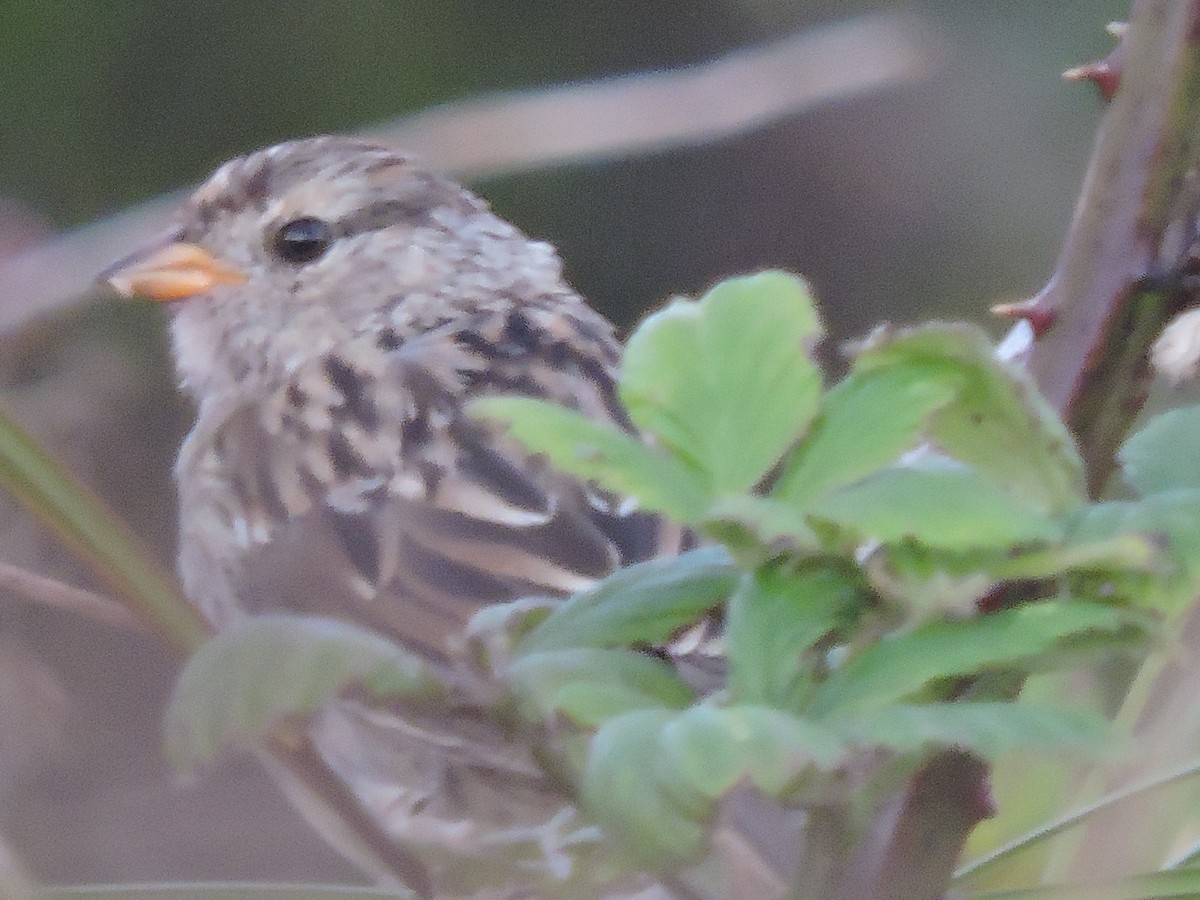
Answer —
883 561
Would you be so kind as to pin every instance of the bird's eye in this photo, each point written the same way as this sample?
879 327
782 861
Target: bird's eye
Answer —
302 240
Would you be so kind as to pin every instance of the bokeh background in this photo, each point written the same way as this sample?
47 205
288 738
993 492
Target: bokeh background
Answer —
930 198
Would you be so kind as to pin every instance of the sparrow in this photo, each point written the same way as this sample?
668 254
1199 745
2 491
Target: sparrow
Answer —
334 309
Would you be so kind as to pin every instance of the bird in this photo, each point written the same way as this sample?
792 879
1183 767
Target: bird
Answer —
334 309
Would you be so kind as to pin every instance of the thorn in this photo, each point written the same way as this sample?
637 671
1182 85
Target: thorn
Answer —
1105 73
1040 318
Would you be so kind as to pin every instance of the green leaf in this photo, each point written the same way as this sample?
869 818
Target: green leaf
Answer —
593 450
1165 454
652 778
619 790
867 421
773 618
988 729
937 503
999 423
1183 884
266 668
773 528
900 665
643 603
1173 515
707 750
726 382
590 685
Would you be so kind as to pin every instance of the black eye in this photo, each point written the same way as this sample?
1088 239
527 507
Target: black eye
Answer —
302 240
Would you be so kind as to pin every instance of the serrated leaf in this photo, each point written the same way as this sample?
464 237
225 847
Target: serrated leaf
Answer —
726 382
773 618
898 666
988 729
867 421
591 685
618 789
264 669
942 505
643 603
593 450
1165 454
999 422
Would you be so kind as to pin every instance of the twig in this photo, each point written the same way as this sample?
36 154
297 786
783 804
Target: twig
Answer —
639 113
47 592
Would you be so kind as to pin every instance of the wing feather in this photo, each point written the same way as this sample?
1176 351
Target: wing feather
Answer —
393 508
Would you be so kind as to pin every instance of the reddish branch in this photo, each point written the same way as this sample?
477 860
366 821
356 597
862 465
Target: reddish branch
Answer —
1107 300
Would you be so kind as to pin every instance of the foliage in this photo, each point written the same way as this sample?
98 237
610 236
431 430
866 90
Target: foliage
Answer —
863 542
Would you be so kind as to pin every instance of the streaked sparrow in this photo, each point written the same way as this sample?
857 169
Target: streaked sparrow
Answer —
334 306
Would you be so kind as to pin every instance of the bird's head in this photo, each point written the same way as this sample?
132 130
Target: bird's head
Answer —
285 251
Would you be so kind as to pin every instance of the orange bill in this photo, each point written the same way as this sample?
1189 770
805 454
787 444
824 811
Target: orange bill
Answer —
172 271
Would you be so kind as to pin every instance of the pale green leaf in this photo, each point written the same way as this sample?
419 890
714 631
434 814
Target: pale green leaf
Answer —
726 382
594 450
1165 454
867 421
619 790
267 668
999 422
940 504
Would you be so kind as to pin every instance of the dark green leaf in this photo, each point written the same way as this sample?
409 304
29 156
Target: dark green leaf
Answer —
267 668
590 685
900 665
773 618
592 450
940 504
1165 454
645 603
726 382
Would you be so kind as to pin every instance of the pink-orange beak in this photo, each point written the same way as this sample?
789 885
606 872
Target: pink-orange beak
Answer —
173 271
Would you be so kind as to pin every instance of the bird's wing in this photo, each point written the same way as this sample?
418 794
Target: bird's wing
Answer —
370 494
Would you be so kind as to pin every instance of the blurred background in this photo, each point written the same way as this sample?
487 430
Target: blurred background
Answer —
931 197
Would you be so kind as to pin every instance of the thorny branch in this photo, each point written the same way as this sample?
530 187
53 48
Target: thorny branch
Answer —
1096 318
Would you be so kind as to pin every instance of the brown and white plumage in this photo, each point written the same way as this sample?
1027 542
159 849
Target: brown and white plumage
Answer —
334 307
332 468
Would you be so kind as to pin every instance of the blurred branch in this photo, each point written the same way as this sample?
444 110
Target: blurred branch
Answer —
511 132
96 535
654 111
48 592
